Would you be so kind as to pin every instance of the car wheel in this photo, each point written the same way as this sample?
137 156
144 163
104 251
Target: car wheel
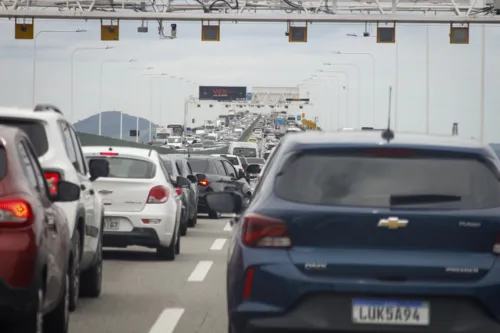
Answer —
183 227
91 282
74 273
178 245
34 323
57 321
192 221
168 252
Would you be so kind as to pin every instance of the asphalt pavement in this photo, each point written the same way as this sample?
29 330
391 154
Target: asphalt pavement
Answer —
142 294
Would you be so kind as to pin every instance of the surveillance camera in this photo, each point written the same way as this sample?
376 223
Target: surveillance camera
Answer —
287 33
366 34
173 30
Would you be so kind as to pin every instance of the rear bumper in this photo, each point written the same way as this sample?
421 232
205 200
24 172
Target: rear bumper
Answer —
333 313
147 237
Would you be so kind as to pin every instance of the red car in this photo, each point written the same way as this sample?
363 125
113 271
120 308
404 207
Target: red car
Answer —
34 241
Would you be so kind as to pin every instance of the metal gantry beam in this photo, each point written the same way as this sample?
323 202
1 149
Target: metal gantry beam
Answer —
410 11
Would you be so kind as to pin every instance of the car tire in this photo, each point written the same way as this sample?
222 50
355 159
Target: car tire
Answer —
74 272
57 321
34 322
178 245
183 227
91 280
168 252
192 221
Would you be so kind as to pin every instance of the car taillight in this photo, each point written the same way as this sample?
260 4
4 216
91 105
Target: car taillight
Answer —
15 213
109 153
204 183
53 178
247 288
158 194
178 190
263 231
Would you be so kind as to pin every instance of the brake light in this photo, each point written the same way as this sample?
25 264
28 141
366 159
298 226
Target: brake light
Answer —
204 183
109 153
178 190
158 194
53 178
263 231
15 213
391 152
247 288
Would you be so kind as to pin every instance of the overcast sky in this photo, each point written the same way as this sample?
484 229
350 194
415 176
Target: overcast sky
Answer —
260 55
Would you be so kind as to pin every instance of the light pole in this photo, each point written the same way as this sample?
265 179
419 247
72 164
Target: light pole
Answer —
125 99
159 76
359 84
72 92
374 76
34 53
101 72
317 78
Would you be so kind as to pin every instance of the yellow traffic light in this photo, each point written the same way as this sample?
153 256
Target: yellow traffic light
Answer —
386 34
110 32
459 34
210 33
297 34
24 29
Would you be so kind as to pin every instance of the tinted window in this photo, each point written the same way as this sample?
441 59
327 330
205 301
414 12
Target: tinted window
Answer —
34 130
199 166
378 181
246 152
28 166
168 166
233 160
255 161
68 144
3 163
122 167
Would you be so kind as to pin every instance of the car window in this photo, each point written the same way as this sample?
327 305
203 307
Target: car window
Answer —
3 163
178 166
232 159
68 144
367 181
35 132
40 179
125 167
190 170
246 152
27 165
220 168
82 168
199 165
229 168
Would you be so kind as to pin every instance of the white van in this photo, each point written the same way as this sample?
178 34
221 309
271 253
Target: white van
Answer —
245 149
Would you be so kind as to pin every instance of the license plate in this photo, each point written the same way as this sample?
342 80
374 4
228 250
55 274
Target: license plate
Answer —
111 224
413 313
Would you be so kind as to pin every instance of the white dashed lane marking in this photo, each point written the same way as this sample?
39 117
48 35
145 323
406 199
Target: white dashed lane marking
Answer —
218 244
200 271
167 321
228 227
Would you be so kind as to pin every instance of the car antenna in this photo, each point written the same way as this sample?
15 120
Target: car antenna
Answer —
388 134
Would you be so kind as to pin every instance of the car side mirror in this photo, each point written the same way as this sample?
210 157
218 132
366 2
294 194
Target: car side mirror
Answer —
241 174
224 202
192 179
182 182
98 168
200 177
66 192
253 168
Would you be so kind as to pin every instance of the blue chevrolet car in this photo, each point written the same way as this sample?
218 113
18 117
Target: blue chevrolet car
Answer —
362 231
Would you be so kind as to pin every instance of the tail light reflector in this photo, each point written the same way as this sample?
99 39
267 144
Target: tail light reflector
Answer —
263 231
247 288
158 194
204 183
15 213
53 178
178 191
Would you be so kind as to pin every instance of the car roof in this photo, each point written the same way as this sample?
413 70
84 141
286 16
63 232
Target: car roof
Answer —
206 157
8 132
28 114
374 138
142 152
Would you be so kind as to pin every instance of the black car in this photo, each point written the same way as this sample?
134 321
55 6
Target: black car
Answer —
178 165
220 175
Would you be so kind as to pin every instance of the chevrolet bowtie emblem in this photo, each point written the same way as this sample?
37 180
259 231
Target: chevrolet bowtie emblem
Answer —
392 223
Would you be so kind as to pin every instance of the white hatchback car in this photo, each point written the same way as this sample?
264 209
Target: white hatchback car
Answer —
141 205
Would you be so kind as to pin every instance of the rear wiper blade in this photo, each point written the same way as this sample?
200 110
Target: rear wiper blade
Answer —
414 199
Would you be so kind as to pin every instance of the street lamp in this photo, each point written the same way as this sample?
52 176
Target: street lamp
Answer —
34 53
159 76
374 75
337 79
100 86
72 73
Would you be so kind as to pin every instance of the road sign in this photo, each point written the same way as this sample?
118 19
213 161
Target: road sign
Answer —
299 118
249 96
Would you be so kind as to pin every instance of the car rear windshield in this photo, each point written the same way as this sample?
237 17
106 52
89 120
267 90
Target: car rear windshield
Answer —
3 163
199 165
35 131
125 167
431 182
245 152
251 160
233 160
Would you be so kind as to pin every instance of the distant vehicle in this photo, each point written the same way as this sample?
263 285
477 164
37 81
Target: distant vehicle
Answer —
174 142
177 129
245 149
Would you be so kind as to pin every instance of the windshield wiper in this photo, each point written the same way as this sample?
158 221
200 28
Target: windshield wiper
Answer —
415 199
